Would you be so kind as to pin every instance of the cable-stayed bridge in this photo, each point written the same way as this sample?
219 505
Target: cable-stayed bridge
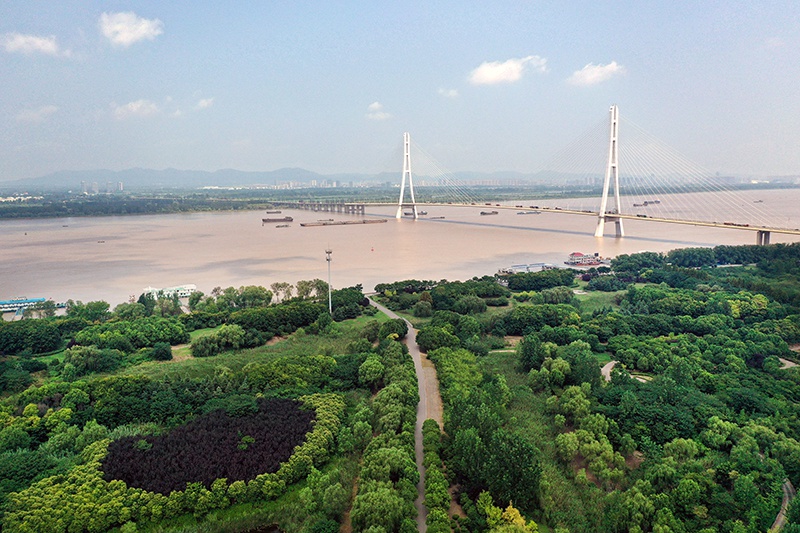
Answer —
638 177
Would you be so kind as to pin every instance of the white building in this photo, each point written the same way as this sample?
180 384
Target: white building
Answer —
183 291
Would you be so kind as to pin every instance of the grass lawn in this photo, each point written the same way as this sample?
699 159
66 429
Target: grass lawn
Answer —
594 300
295 344
602 358
51 356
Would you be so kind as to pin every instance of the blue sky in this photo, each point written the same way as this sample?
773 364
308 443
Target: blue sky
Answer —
331 86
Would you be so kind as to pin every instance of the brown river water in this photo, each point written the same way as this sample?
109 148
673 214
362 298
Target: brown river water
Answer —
114 258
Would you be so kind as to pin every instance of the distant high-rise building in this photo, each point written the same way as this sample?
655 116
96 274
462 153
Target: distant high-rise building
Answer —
119 186
95 188
84 188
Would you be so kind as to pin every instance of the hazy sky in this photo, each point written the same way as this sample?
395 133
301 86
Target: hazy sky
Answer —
331 86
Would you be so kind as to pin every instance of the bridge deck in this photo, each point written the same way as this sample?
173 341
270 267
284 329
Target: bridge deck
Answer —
595 214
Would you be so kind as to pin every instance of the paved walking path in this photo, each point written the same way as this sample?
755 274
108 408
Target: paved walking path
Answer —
606 370
429 406
788 496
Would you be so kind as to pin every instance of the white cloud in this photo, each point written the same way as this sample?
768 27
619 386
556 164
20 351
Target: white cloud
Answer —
375 112
36 115
32 44
139 108
593 74
448 93
205 103
124 29
509 71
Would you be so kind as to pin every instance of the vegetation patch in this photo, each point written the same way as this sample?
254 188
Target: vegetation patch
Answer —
212 447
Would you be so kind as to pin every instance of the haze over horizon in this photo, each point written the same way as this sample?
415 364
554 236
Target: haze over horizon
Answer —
331 87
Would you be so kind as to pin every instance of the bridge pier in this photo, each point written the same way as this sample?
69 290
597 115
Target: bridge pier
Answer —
601 226
762 237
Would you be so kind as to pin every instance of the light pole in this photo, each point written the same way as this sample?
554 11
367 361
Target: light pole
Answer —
328 253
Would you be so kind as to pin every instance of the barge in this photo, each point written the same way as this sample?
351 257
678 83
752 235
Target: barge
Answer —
273 220
341 223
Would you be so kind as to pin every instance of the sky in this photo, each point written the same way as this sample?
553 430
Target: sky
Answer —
331 86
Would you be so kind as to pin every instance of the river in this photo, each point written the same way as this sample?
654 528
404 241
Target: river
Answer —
114 258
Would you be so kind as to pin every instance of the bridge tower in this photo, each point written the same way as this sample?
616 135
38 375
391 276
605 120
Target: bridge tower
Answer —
612 169
406 174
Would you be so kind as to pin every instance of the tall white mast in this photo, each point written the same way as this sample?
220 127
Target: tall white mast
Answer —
612 169
406 173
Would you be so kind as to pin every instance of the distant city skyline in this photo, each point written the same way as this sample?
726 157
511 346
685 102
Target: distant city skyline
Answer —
331 87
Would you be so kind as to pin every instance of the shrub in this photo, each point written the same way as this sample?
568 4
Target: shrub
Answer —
162 351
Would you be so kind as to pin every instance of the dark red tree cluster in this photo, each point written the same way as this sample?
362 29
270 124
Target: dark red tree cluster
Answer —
211 447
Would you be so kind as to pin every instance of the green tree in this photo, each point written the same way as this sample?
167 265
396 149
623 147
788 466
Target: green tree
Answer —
46 309
371 372
253 296
130 311
92 311
378 504
531 353
304 288
162 351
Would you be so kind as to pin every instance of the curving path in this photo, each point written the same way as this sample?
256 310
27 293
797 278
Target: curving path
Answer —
429 406
606 370
788 496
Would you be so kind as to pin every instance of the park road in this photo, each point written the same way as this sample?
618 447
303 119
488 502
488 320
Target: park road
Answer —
429 406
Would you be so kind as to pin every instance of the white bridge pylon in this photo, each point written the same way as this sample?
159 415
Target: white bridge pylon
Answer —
612 169
407 174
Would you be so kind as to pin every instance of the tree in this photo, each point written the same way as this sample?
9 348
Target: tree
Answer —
130 311
253 296
92 311
147 300
430 338
512 469
162 351
371 371
304 288
167 306
34 335
320 288
195 298
423 309
230 336
470 305
381 506
396 326
531 353
46 309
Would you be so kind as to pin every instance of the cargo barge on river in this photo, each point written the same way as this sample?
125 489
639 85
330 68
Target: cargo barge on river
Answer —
341 222
273 220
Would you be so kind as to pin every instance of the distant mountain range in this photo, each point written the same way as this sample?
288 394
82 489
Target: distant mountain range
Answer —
136 178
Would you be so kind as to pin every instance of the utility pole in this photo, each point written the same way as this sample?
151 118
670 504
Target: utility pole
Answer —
328 253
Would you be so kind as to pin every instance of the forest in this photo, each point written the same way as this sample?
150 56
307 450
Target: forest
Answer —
659 394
